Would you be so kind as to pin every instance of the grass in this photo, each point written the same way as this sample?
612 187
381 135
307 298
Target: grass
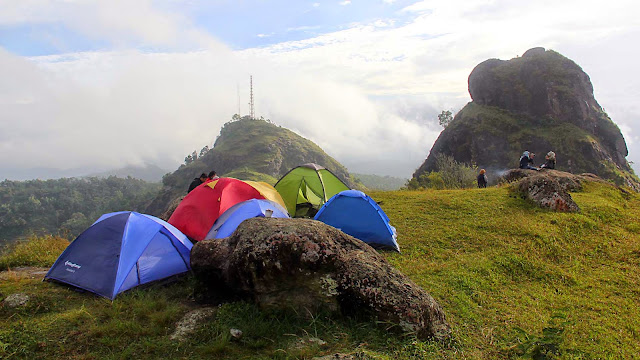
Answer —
35 251
515 281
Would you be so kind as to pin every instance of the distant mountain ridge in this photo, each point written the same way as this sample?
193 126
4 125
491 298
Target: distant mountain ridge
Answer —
378 182
249 149
146 172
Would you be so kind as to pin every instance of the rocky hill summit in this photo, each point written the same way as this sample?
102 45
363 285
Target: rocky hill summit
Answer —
539 102
248 149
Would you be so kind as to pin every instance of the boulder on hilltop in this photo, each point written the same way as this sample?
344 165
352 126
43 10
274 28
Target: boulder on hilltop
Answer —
539 102
309 266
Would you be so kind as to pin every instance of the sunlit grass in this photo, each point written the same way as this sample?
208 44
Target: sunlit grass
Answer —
513 279
35 251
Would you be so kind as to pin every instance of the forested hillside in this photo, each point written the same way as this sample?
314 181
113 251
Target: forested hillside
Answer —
66 206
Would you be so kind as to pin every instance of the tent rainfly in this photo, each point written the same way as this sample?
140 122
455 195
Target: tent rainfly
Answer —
227 223
305 188
122 250
355 213
198 211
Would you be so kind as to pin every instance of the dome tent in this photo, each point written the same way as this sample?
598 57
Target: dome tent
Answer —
355 213
227 223
306 187
198 211
122 250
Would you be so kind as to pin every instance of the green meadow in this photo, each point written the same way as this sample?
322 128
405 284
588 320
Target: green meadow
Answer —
515 281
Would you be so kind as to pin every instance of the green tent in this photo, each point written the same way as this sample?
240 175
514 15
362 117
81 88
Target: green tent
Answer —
307 187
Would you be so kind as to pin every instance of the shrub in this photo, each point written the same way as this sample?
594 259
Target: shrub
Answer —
450 174
35 251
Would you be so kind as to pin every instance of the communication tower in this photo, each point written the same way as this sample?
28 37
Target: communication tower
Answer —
252 110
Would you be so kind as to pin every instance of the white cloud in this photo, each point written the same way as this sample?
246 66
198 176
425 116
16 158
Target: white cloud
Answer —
123 23
369 94
345 2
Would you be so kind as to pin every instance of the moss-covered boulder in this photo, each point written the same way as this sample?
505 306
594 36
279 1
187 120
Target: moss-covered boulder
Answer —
539 102
309 266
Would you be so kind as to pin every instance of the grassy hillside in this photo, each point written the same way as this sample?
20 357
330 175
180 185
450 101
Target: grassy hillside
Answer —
514 280
249 149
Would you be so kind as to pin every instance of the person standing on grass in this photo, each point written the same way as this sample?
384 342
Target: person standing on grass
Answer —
482 179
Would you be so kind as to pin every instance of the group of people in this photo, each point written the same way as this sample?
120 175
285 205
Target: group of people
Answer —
201 179
526 162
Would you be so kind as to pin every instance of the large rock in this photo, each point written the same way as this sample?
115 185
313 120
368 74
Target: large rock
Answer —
539 102
547 188
309 266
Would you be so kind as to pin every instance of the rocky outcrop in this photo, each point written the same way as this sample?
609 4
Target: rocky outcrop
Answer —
309 266
539 102
547 191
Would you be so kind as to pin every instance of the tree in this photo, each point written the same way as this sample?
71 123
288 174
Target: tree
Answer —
445 118
204 150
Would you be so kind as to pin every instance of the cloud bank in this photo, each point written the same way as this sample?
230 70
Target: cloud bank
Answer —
368 94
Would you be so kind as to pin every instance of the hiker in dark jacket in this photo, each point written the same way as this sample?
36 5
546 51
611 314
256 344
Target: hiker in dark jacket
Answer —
482 179
526 161
550 161
197 181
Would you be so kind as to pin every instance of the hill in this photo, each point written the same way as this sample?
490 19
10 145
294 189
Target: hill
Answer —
146 172
514 280
377 182
249 149
539 102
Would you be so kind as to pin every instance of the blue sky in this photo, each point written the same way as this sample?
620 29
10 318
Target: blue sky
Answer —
133 82
239 24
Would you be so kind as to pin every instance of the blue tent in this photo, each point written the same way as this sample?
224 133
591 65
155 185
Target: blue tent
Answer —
122 250
356 214
227 223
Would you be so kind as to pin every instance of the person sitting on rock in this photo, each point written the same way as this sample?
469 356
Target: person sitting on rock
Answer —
526 161
197 181
550 161
482 179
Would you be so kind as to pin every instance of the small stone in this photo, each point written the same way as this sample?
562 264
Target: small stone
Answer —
236 334
15 300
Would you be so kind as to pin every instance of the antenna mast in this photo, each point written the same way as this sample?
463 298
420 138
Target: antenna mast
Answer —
238 89
252 110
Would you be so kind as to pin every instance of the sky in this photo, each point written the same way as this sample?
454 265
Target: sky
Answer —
88 86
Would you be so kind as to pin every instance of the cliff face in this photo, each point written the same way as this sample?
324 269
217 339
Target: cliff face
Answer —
539 102
248 150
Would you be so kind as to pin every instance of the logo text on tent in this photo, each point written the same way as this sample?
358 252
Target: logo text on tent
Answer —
72 266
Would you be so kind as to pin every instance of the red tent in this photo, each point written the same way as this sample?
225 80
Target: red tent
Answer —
197 212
